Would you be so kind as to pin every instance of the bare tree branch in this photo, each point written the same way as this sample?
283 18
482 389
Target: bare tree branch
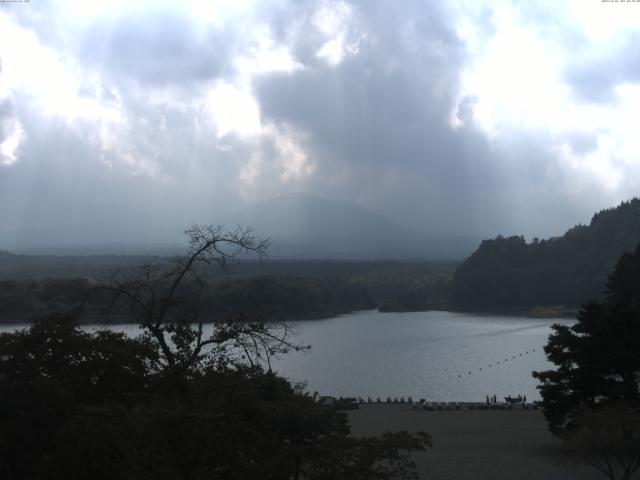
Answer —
153 294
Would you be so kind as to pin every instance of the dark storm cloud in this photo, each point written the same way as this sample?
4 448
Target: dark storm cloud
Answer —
400 84
383 114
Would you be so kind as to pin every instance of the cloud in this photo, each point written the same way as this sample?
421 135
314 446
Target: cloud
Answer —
595 74
463 117
377 126
156 47
11 133
555 78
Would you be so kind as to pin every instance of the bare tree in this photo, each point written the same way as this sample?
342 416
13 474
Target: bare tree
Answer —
162 297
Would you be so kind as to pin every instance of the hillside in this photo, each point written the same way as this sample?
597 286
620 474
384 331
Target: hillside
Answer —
567 270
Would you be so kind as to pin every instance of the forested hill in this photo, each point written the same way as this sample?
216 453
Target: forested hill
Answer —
567 270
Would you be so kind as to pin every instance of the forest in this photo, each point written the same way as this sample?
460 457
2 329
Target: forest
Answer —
274 289
509 272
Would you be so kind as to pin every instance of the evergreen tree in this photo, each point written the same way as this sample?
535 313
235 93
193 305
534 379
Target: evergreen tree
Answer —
597 358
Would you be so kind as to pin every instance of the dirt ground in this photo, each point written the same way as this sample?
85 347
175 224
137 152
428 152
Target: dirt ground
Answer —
477 444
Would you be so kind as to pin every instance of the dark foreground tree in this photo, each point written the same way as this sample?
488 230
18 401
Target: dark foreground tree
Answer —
47 373
597 359
596 382
187 399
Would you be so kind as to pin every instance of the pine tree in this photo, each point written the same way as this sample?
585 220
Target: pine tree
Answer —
597 359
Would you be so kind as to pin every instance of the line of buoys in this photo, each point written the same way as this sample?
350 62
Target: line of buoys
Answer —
513 357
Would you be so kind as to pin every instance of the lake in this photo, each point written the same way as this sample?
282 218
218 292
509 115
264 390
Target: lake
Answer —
439 356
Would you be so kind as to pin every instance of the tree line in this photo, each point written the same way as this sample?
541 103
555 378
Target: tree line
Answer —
511 272
280 290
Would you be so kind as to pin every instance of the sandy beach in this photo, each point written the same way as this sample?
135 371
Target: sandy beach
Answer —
477 444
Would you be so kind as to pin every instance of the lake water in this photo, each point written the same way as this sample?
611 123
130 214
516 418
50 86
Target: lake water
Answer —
439 356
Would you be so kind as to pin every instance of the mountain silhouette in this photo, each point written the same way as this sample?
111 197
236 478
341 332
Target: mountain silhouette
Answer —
307 227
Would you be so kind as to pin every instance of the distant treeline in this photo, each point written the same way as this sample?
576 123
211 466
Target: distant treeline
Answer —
277 290
40 267
507 273
567 270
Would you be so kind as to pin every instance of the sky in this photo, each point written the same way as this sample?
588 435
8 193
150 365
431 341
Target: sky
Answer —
129 120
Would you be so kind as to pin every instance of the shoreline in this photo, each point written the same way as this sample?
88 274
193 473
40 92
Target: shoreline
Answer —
538 311
528 312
